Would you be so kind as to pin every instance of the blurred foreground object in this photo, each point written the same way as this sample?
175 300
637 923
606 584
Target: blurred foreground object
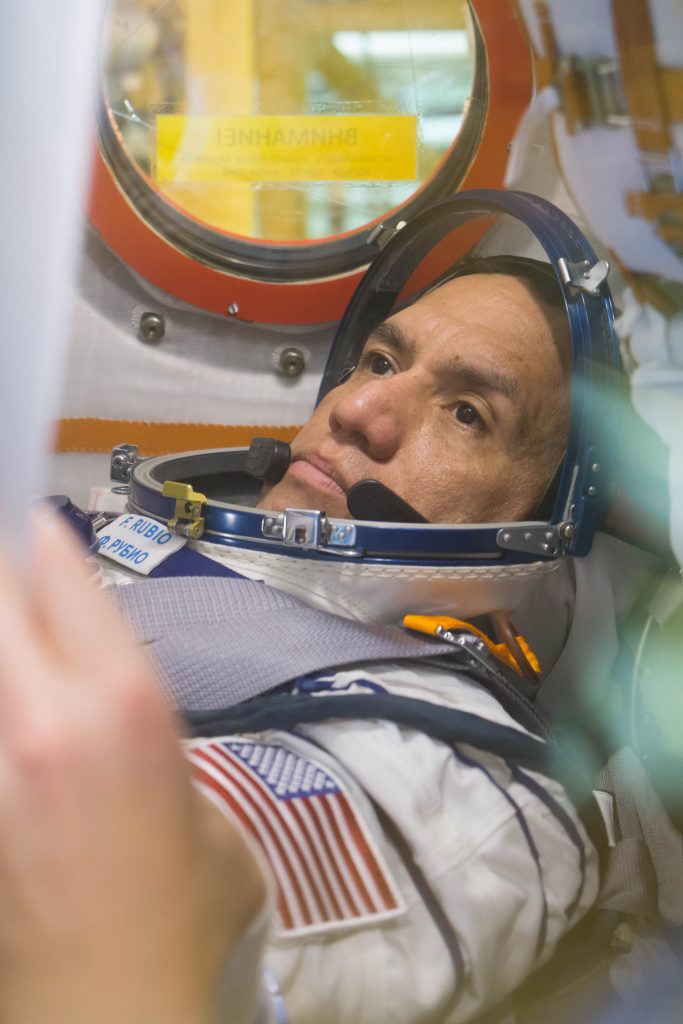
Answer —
610 81
47 63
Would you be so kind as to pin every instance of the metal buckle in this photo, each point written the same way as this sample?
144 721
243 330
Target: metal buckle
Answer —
596 96
308 528
460 638
474 650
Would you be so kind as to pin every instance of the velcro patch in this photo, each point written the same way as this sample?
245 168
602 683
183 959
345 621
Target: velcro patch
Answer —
327 866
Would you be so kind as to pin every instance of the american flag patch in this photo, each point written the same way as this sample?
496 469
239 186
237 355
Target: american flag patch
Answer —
327 867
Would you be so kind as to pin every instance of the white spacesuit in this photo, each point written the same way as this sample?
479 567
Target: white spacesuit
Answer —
411 879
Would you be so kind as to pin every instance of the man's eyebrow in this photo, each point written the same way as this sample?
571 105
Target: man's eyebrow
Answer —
464 375
395 337
488 380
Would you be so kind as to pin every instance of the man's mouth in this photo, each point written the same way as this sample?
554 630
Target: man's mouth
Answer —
317 473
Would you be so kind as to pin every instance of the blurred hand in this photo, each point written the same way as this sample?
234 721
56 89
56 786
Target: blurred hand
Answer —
122 890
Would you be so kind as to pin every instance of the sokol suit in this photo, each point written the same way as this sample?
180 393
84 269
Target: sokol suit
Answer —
410 881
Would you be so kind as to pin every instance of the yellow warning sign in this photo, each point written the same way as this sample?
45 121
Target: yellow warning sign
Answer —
335 147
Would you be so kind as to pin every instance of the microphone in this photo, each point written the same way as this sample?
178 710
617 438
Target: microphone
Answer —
369 499
267 459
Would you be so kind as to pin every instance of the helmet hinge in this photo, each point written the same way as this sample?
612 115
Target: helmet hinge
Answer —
124 459
543 539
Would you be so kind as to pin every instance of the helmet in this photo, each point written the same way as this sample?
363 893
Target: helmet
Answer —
381 570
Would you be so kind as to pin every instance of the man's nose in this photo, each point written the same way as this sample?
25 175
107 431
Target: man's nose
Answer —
377 413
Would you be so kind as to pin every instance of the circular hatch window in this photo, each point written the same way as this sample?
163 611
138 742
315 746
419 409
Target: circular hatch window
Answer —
267 138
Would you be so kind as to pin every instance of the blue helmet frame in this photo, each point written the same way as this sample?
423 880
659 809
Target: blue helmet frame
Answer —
585 476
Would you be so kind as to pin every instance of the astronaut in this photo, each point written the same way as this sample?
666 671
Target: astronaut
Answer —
375 865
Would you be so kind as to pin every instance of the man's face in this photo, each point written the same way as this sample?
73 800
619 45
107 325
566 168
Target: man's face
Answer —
459 404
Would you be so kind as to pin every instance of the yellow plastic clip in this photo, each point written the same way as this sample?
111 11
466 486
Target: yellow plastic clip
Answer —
188 520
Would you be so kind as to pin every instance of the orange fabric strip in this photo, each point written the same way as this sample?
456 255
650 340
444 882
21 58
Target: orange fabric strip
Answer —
664 210
655 206
86 434
672 84
640 75
544 65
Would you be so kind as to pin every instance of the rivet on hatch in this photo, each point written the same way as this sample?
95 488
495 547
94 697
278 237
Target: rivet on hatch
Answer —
152 328
292 362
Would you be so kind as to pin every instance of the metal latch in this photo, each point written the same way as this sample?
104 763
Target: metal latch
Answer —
188 520
586 276
124 459
308 528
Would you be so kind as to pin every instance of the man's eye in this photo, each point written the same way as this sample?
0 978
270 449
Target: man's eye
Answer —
467 414
379 364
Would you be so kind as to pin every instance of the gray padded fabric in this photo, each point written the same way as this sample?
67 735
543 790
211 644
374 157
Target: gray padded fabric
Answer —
644 871
217 641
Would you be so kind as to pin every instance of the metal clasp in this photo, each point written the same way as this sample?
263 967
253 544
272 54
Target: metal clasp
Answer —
460 638
584 275
124 459
308 528
188 520
474 651
534 540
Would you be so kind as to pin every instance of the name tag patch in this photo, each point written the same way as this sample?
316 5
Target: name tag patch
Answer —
329 871
139 543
